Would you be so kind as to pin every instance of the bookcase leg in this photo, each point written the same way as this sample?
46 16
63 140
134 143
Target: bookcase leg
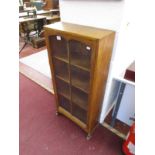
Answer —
88 136
57 113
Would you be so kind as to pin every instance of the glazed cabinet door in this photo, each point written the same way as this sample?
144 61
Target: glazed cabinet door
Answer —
72 65
80 66
60 61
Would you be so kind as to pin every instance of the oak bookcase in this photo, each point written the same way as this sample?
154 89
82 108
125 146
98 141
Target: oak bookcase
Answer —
79 59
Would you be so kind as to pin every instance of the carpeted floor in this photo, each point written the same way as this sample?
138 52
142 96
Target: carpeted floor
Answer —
32 72
44 133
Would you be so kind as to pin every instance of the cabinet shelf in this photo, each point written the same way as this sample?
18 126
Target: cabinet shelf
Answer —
80 113
61 59
63 78
64 102
80 79
64 95
80 98
61 70
63 88
77 84
80 67
80 54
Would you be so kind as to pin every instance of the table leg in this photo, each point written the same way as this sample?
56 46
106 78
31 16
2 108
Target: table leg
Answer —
117 105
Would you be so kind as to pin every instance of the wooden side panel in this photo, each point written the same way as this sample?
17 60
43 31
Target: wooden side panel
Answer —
104 51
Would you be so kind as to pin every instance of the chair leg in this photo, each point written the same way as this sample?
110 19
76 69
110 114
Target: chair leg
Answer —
22 47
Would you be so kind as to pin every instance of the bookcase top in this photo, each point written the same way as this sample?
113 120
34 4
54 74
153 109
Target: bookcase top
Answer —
87 31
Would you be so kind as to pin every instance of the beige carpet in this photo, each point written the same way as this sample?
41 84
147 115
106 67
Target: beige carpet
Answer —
36 67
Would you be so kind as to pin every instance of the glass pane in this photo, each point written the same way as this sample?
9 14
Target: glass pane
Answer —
65 103
61 69
80 54
80 79
59 47
79 113
63 88
79 98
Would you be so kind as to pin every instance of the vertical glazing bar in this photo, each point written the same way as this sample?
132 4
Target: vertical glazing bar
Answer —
69 71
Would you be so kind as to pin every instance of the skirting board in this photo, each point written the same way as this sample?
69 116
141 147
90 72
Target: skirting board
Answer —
114 131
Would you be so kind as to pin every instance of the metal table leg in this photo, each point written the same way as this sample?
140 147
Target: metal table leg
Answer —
117 105
22 47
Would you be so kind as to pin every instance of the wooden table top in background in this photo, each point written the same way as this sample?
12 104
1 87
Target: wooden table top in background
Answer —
21 20
41 12
55 17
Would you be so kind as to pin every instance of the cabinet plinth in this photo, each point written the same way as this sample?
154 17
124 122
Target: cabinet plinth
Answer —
79 58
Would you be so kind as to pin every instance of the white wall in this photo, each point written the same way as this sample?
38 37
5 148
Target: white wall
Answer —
123 54
108 14
99 13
